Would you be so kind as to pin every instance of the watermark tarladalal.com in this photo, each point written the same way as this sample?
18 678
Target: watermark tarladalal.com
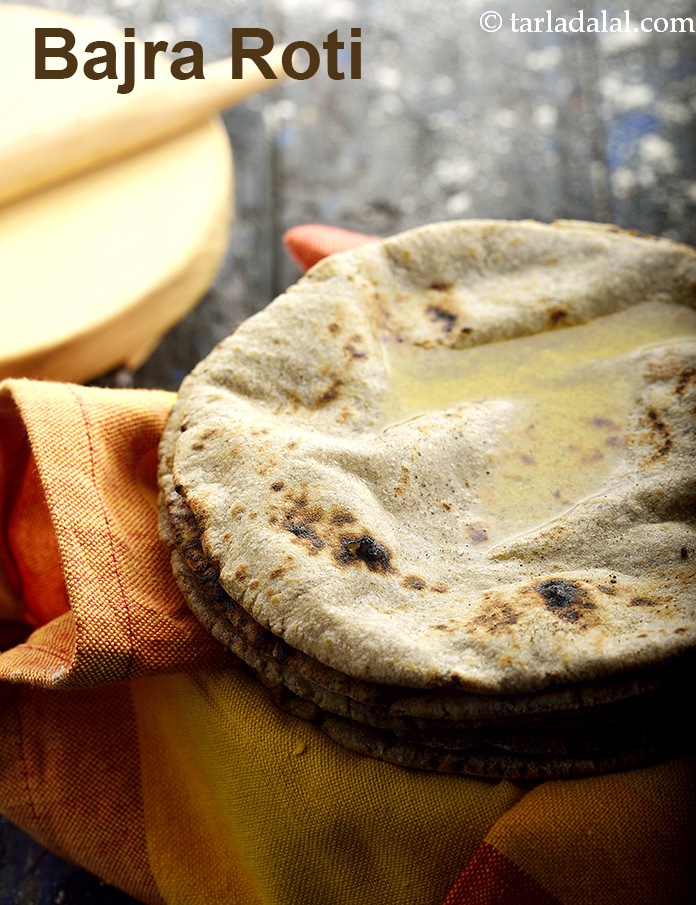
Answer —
601 23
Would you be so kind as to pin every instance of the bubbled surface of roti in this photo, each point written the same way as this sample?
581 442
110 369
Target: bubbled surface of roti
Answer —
350 539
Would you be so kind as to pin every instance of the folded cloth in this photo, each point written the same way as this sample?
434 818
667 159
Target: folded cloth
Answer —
134 745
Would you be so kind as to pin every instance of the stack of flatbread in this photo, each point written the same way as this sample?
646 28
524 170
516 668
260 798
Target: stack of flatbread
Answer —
439 497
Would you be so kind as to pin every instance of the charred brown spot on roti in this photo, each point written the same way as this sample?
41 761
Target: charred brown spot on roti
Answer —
329 395
564 598
352 347
684 553
293 398
334 328
304 532
605 589
557 316
497 616
661 432
477 533
595 456
313 514
353 352
401 488
687 376
439 588
643 601
298 518
603 422
208 433
441 315
278 572
440 286
342 517
367 550
319 527
509 617
297 498
277 486
413 582
241 573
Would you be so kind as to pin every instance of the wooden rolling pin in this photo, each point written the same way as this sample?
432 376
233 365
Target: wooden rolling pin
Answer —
41 156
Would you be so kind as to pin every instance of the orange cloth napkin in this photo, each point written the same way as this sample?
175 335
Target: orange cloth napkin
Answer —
134 745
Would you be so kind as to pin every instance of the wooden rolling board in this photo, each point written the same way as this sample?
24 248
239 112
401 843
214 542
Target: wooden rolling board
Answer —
98 266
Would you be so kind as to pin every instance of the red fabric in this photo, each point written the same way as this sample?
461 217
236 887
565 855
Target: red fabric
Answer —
492 879
309 244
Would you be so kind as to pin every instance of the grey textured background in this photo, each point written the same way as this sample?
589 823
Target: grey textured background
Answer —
445 122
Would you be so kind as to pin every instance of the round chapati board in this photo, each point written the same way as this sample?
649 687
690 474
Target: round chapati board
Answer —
97 267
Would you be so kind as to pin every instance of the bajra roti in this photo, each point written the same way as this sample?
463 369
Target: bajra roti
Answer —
374 537
278 664
589 738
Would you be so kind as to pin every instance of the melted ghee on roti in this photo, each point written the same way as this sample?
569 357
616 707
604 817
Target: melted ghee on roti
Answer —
570 392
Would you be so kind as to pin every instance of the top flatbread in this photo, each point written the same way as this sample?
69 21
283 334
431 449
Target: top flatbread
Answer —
353 526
